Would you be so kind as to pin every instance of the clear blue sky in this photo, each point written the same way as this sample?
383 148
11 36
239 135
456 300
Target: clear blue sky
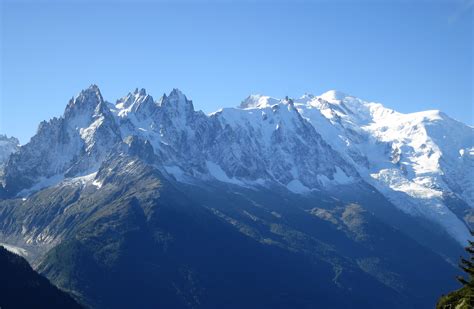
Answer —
408 55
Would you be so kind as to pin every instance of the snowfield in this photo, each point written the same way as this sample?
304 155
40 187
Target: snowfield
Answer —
308 144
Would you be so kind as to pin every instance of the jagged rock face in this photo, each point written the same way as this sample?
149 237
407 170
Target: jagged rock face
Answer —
418 161
150 197
64 147
8 145
274 145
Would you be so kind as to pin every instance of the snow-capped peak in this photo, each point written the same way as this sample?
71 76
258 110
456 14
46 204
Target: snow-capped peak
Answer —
91 93
86 101
126 101
176 103
309 143
333 96
177 94
306 97
258 101
134 101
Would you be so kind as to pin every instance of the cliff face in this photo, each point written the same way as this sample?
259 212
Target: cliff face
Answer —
328 201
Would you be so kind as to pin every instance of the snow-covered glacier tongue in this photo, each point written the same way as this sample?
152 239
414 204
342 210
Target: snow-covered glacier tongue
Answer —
422 162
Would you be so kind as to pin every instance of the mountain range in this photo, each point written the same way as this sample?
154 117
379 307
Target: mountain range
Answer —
323 200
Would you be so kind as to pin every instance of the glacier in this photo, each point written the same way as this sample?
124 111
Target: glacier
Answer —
422 162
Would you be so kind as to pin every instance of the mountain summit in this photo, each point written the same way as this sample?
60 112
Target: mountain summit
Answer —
421 161
332 183
333 95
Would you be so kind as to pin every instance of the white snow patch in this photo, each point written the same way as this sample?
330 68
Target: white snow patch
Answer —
341 178
42 183
218 173
333 96
296 186
97 183
81 180
258 101
176 172
15 249
87 134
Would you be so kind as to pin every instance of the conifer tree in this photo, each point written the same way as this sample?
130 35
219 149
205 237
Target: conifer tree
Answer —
467 265
464 297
